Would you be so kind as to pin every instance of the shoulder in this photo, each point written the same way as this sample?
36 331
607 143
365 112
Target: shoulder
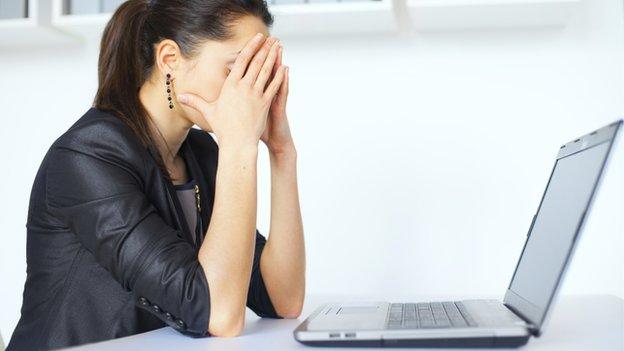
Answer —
99 128
101 134
97 139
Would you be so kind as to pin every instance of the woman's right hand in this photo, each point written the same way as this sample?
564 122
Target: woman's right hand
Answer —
239 115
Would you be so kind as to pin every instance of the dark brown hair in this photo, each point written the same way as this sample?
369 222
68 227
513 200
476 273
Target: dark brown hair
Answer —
127 48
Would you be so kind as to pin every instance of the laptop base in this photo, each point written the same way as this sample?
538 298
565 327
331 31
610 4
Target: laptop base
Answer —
505 342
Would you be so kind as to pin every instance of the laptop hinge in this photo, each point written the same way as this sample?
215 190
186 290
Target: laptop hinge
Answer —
530 326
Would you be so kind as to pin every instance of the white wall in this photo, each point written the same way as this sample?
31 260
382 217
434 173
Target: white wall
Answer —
422 158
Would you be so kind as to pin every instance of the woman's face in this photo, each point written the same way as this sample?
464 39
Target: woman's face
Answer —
205 73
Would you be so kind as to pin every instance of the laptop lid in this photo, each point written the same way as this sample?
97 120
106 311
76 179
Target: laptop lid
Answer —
556 226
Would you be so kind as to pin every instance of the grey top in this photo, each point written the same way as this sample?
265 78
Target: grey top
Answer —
186 195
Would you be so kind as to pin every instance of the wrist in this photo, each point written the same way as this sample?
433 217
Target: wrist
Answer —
283 158
238 148
237 143
282 151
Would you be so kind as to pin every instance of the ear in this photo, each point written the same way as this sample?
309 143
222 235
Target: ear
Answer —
167 57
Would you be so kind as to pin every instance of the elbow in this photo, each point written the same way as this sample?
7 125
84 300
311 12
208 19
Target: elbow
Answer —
291 314
227 325
291 310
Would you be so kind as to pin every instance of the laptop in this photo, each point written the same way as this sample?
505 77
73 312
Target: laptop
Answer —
522 313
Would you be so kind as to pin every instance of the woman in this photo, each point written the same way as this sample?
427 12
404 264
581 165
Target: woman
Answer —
118 234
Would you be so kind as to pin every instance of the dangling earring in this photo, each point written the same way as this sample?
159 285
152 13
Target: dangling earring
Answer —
168 86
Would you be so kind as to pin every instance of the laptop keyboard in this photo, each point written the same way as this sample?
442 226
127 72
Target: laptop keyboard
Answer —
429 315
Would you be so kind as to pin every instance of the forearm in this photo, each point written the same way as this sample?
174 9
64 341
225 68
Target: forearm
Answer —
283 258
226 254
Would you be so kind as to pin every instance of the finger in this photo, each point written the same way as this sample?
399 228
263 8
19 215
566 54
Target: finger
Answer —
282 93
285 77
248 52
258 61
275 83
195 102
278 62
284 87
267 68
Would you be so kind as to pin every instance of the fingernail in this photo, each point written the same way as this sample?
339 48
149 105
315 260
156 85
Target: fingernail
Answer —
182 98
259 35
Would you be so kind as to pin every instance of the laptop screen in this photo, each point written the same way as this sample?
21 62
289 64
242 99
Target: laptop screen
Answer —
555 227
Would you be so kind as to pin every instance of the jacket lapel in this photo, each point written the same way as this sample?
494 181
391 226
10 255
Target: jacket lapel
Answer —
174 202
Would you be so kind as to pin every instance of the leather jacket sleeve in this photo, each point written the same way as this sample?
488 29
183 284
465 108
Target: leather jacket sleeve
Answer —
97 193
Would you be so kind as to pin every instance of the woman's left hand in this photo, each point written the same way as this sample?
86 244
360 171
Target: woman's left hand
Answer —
277 135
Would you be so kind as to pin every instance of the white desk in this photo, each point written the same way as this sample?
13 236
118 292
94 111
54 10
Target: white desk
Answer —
584 322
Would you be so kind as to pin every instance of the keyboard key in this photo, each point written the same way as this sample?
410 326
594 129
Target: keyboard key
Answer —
443 322
427 323
395 326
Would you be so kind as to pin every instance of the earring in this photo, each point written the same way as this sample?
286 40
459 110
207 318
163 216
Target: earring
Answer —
168 86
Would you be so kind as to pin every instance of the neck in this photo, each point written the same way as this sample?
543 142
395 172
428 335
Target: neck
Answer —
168 127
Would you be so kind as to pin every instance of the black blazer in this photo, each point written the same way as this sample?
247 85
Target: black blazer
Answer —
109 253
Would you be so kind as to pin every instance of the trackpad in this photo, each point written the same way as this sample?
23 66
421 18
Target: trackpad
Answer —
358 309
350 316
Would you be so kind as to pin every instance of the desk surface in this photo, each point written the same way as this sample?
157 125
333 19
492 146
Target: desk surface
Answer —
582 322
